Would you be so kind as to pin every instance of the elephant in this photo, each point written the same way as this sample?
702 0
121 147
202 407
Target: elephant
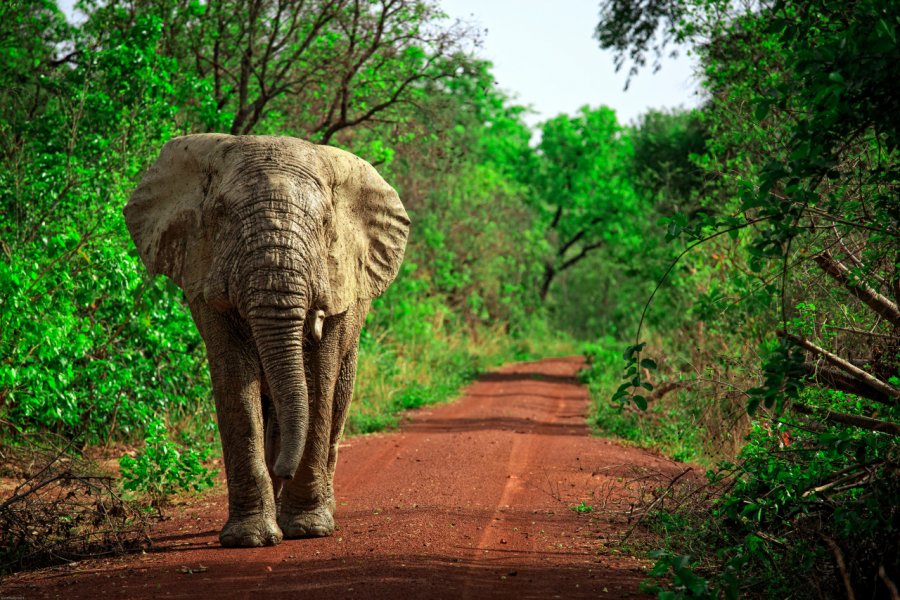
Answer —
279 246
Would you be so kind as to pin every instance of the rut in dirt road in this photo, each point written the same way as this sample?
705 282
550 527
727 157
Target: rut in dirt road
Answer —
468 500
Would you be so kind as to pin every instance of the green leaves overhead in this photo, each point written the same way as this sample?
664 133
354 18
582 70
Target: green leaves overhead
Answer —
324 70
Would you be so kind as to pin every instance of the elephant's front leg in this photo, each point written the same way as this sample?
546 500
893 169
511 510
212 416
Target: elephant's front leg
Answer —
343 390
343 393
235 373
307 502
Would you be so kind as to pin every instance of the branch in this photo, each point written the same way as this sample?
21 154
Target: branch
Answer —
830 416
841 565
580 255
888 583
825 325
892 393
853 258
557 216
678 258
669 386
836 380
854 474
575 238
659 498
64 59
880 304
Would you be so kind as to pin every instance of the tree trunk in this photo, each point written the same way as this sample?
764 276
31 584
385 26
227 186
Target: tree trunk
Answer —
549 274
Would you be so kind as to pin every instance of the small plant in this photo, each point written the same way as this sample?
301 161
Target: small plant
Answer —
165 467
685 583
582 508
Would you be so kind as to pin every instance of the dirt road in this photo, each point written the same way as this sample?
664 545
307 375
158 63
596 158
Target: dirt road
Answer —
469 500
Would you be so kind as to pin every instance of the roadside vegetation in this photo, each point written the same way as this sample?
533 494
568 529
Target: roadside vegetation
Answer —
730 272
769 351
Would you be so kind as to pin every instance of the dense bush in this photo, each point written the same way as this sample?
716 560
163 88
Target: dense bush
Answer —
785 295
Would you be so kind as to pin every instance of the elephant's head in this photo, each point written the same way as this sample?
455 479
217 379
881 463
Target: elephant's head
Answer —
276 229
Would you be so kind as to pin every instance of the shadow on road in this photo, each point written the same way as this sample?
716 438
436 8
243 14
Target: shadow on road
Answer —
518 425
398 576
528 376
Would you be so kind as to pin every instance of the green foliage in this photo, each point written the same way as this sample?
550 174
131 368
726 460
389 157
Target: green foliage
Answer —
165 467
785 515
786 280
415 351
666 145
670 425
581 189
91 349
582 508
599 293
686 583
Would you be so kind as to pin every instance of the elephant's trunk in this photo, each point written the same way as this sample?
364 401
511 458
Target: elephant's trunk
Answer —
276 310
279 340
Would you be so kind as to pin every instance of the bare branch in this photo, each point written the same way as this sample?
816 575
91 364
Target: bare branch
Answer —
844 365
584 252
830 416
880 304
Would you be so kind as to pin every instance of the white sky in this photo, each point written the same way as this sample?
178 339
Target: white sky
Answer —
545 57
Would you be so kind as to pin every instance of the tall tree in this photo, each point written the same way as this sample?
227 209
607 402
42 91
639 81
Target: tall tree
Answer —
581 187
323 66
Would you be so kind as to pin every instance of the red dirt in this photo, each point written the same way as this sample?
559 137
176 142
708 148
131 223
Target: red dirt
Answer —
468 500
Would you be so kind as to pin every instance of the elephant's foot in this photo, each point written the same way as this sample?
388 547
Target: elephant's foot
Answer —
250 532
317 522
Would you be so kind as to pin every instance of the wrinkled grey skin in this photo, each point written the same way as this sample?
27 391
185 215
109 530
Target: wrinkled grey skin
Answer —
279 246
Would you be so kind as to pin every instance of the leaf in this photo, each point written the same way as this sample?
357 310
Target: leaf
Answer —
648 363
640 401
752 405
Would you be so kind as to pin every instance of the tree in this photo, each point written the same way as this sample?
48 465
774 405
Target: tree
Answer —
322 67
581 187
665 146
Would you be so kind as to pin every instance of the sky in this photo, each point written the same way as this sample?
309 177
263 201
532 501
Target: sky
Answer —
545 57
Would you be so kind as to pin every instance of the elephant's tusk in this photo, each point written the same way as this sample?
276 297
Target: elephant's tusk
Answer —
317 327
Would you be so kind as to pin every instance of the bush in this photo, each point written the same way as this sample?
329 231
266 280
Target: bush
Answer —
165 467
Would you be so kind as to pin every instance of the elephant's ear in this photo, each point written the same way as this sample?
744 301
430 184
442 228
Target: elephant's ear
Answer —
163 214
370 229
